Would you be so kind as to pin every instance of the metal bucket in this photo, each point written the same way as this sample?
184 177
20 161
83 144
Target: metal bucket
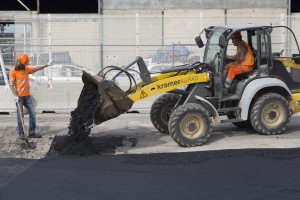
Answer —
112 100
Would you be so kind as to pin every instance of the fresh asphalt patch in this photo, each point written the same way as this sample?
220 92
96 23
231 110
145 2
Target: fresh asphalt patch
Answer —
203 156
220 174
64 145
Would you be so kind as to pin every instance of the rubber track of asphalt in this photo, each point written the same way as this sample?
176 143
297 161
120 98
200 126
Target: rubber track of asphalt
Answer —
224 174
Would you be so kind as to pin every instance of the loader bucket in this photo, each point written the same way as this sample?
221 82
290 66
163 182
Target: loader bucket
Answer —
112 100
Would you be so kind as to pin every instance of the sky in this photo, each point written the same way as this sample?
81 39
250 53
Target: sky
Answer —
53 6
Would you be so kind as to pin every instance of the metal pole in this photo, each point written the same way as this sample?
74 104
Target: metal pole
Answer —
50 87
289 8
37 7
24 39
162 28
23 5
100 12
3 71
282 35
137 34
289 33
201 51
100 7
225 16
173 54
49 37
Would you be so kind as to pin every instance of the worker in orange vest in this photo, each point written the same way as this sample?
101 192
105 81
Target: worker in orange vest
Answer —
244 60
19 84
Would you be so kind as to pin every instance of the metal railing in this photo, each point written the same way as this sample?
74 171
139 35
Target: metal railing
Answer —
94 41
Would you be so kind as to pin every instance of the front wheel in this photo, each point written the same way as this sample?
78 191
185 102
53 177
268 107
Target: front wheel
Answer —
270 114
190 125
161 110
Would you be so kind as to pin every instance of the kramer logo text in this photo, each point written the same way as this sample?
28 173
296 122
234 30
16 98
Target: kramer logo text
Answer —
177 82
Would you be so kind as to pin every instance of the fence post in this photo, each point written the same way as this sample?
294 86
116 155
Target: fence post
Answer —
282 35
137 34
101 56
162 27
173 54
201 51
3 71
50 54
49 37
25 49
100 10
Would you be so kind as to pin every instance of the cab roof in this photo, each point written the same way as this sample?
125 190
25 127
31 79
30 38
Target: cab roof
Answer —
237 27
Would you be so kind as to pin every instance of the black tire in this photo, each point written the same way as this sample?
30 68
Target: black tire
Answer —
190 125
161 110
270 114
243 124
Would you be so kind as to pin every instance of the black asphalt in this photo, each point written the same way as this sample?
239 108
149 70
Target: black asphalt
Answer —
225 174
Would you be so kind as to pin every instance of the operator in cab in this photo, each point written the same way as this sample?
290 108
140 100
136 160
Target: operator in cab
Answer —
243 60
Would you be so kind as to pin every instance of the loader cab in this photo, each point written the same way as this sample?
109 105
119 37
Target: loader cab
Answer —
259 41
219 44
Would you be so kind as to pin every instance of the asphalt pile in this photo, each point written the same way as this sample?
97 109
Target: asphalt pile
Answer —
78 141
82 117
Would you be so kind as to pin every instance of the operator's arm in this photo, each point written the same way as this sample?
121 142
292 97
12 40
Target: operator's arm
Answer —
37 68
241 52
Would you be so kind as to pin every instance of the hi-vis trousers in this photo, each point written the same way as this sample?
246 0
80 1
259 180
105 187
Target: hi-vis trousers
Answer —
234 70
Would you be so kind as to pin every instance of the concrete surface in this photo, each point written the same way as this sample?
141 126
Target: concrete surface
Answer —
140 136
192 4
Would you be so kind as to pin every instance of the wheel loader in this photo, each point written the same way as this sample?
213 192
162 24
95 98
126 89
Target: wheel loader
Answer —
193 96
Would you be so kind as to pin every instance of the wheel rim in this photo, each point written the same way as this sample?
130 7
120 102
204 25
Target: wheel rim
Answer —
273 115
192 126
166 113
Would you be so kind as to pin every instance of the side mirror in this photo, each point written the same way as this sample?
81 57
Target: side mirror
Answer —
199 41
222 41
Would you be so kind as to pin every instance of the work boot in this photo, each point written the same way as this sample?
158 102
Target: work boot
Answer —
34 135
22 137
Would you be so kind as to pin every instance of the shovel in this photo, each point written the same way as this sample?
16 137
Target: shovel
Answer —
27 144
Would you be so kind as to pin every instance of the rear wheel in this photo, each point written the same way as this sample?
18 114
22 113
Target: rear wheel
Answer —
161 111
190 125
270 114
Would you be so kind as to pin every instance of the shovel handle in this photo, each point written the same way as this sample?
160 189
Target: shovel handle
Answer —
22 119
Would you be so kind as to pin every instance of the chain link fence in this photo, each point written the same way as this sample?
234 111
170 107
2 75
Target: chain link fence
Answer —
94 41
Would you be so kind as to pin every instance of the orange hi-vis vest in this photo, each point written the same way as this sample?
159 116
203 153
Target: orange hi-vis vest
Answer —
248 59
20 78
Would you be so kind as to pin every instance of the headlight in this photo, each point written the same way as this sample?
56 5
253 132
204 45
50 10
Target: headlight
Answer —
209 75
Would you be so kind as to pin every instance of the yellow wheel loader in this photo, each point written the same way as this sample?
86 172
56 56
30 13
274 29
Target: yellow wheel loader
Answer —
263 99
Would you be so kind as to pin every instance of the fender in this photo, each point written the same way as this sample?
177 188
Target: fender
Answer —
253 87
211 108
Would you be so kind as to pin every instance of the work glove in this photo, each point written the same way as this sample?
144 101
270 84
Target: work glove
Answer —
51 62
16 98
